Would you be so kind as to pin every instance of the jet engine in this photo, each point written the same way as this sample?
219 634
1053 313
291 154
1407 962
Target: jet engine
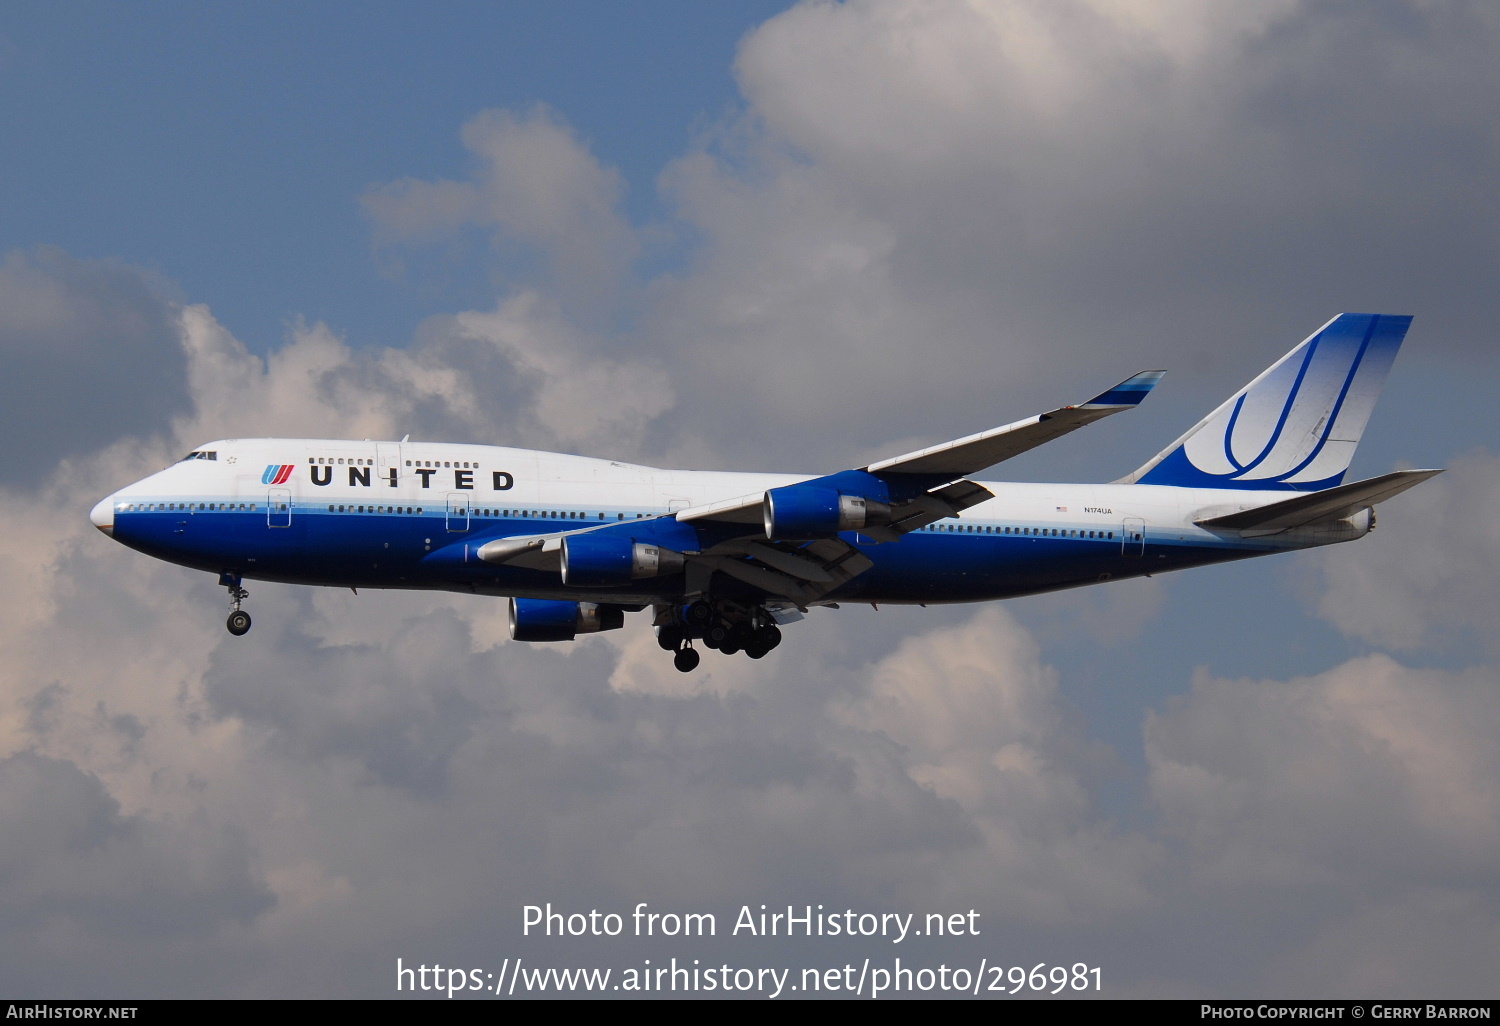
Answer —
796 513
552 620
606 561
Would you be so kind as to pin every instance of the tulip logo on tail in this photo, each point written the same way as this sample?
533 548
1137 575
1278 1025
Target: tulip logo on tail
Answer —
1296 426
277 473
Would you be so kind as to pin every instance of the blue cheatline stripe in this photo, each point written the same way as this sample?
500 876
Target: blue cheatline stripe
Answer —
1119 397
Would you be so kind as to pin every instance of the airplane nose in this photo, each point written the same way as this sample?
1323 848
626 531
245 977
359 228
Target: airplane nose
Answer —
102 515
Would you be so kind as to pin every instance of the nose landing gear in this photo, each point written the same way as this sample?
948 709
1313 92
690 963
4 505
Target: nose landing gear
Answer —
238 623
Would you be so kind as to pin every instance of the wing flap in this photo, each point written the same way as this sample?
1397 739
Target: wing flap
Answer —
800 574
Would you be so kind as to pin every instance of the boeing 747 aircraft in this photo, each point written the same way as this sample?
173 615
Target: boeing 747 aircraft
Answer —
722 559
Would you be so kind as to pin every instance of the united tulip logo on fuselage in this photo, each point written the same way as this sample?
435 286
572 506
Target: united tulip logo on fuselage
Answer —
277 473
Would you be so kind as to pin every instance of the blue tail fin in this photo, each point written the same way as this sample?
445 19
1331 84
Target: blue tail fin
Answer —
1294 427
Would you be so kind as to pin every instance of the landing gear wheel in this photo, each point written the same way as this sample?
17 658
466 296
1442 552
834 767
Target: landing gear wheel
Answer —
670 637
762 641
699 613
686 660
239 620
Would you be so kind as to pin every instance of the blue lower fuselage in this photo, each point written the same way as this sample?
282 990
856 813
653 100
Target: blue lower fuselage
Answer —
430 550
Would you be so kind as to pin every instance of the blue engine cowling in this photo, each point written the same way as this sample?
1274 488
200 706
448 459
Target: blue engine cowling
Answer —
799 512
601 560
553 620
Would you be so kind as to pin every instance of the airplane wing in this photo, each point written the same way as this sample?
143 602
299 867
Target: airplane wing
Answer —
799 575
1310 507
743 537
975 452
962 456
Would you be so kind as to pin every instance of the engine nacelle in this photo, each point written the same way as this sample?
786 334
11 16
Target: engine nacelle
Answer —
552 620
798 512
599 560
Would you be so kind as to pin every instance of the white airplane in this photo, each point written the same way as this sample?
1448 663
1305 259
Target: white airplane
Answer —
722 558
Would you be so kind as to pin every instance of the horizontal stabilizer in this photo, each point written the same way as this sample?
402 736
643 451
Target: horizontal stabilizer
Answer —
973 453
1331 504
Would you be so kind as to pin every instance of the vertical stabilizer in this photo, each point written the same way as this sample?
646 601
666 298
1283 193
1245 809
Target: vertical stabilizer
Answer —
1296 426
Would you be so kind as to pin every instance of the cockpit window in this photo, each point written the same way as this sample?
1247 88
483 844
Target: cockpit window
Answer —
200 455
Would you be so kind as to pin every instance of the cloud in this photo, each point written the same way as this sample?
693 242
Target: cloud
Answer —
81 881
520 374
926 210
375 758
534 183
976 715
1434 940
960 211
1431 572
1369 768
1316 813
88 349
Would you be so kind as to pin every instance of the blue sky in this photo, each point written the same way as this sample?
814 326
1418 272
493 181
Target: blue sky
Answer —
228 145
769 237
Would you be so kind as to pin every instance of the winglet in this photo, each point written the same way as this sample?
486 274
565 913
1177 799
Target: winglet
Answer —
1129 392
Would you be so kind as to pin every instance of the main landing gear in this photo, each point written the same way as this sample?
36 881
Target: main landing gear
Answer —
238 623
728 627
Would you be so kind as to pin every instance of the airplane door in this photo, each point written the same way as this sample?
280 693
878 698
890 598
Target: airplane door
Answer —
279 508
388 461
458 511
1133 538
